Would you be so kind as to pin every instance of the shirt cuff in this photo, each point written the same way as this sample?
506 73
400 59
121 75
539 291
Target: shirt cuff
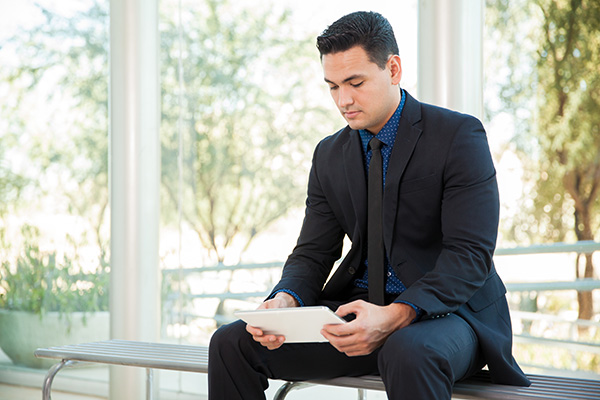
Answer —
291 293
417 310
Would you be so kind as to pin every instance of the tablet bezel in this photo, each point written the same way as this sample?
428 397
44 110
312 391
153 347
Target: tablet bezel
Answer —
296 324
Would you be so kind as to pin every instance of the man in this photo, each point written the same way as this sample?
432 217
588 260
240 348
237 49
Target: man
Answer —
440 312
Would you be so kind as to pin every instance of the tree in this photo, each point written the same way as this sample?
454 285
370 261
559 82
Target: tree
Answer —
11 183
562 148
569 116
245 117
64 133
240 139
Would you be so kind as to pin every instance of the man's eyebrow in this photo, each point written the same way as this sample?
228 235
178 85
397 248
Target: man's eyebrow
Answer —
348 79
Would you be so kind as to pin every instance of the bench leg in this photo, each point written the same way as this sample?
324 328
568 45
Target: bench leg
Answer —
149 384
47 387
288 387
362 394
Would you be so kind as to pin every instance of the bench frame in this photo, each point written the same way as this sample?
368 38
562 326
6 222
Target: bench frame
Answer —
195 359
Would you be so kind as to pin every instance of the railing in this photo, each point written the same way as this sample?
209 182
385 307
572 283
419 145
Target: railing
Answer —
589 284
226 268
584 247
579 285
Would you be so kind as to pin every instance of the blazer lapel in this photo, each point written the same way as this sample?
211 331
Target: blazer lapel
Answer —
404 146
355 177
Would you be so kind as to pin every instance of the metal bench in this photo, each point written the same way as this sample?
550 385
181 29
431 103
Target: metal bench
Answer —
195 359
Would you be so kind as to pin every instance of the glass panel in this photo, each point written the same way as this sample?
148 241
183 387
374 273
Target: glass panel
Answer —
542 112
243 106
54 223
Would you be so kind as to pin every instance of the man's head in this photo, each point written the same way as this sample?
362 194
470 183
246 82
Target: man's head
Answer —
369 30
362 68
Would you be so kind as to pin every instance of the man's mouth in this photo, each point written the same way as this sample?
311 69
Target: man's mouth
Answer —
351 114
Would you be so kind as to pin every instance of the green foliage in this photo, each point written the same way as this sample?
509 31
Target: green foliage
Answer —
244 121
39 281
544 356
58 78
548 52
569 122
11 183
552 50
239 126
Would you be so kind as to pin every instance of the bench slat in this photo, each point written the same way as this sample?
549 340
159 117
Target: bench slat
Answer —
195 359
136 354
123 349
482 388
495 392
546 387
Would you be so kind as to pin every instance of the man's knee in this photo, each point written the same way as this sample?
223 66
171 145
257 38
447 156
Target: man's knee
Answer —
407 349
228 338
412 366
447 348
232 371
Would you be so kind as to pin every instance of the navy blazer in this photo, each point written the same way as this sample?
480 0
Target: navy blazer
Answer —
441 212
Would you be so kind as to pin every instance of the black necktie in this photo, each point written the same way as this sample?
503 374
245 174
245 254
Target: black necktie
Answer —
375 248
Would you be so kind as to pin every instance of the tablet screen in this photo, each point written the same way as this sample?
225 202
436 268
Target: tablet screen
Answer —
297 324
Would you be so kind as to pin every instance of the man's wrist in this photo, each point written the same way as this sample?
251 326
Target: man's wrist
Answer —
405 314
287 298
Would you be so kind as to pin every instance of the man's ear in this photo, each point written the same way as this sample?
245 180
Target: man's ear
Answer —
395 68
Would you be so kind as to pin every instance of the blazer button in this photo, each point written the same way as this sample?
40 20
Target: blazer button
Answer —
351 270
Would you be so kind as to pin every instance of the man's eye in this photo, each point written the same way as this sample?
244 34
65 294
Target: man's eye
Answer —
332 88
357 84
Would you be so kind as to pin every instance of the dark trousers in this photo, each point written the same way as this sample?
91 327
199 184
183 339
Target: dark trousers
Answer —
421 361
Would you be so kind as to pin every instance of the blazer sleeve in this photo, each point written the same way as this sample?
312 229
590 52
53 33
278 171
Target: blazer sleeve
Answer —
319 245
469 225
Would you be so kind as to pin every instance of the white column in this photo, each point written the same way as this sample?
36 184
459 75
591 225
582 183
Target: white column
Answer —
134 183
450 55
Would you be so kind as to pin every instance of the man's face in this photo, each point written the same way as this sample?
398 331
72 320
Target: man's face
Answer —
365 94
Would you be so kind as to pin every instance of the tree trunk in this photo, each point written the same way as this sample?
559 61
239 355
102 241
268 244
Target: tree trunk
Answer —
585 300
584 232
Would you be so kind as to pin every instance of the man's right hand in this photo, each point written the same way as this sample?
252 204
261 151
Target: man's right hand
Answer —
272 342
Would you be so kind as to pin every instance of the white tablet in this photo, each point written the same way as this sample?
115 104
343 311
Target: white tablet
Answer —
297 324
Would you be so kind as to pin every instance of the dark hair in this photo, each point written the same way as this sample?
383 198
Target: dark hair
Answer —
370 30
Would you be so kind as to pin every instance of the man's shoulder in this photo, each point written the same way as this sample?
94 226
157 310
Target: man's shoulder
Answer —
437 112
338 139
429 116
446 125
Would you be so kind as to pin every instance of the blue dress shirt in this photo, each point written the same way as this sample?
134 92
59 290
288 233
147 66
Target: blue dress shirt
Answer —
387 135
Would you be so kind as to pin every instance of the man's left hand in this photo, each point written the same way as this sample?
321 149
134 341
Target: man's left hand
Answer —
370 329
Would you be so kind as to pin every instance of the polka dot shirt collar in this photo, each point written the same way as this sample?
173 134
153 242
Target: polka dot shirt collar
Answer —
387 134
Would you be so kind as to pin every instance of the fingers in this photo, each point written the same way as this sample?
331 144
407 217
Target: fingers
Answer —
341 329
349 344
360 336
253 330
359 308
354 307
271 342
272 303
338 341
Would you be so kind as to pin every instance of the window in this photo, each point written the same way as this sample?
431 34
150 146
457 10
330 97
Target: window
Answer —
243 106
53 175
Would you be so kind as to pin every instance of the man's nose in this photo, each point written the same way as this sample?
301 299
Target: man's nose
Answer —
345 97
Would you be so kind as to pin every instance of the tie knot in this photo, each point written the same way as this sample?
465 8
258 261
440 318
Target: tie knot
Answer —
375 144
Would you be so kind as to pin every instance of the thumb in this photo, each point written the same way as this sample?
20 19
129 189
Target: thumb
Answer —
354 307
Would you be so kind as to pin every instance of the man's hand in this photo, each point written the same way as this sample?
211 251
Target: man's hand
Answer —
370 329
272 342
